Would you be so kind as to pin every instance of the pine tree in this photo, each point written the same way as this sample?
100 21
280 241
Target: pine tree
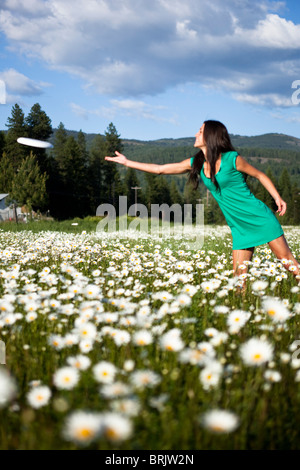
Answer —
72 171
38 126
175 196
16 128
95 173
7 174
295 205
112 185
55 188
2 143
59 142
29 185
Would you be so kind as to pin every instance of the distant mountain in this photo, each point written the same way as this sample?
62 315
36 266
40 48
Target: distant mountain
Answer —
267 141
264 141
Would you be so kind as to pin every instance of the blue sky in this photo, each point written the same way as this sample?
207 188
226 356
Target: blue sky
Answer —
154 68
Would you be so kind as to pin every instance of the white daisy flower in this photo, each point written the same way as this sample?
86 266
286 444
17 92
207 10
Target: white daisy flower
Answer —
272 376
66 378
104 372
126 406
116 428
8 388
144 378
220 421
79 362
259 286
237 319
171 341
82 427
256 352
121 337
115 390
276 310
38 397
56 341
222 309
87 331
142 338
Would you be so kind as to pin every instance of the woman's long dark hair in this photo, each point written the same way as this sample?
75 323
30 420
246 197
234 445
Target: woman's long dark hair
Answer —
217 141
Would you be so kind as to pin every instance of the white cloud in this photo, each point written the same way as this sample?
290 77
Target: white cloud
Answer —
17 83
127 107
131 48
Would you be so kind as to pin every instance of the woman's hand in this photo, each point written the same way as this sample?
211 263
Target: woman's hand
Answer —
281 205
118 159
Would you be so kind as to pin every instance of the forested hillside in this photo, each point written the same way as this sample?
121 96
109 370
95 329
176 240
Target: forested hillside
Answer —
73 178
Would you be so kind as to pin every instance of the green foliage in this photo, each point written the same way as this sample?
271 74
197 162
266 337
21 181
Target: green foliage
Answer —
7 174
16 128
29 185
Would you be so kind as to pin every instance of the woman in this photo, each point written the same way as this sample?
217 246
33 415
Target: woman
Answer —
223 172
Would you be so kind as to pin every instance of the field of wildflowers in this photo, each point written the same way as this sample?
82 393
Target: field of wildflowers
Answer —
118 342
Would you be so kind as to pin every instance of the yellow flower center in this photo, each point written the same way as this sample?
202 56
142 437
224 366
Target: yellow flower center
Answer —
84 433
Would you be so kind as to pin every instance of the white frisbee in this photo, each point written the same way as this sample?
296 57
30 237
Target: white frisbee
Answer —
34 143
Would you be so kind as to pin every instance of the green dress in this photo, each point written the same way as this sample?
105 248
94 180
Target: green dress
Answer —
251 222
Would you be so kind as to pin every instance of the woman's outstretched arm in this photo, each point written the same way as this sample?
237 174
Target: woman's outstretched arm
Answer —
245 167
168 169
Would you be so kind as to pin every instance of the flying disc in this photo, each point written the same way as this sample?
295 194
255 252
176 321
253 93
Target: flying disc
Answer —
34 143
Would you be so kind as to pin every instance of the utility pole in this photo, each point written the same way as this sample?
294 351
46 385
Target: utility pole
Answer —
135 197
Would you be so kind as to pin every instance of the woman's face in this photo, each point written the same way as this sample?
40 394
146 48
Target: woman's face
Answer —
199 142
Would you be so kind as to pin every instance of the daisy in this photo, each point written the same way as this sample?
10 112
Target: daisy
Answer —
116 428
104 372
86 345
272 376
211 332
256 352
171 341
259 286
144 378
31 317
210 375
237 319
142 338
126 406
39 396
276 310
121 337
219 339
184 300
220 421
207 286
82 427
8 387
79 362
66 378
115 390
221 309
87 331
56 341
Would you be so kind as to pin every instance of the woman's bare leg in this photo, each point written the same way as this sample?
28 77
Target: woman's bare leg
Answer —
282 250
238 258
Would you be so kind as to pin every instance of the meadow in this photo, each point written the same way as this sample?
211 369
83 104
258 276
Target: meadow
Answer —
129 342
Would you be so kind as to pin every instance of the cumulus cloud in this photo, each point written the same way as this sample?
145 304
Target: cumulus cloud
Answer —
131 48
126 107
17 85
